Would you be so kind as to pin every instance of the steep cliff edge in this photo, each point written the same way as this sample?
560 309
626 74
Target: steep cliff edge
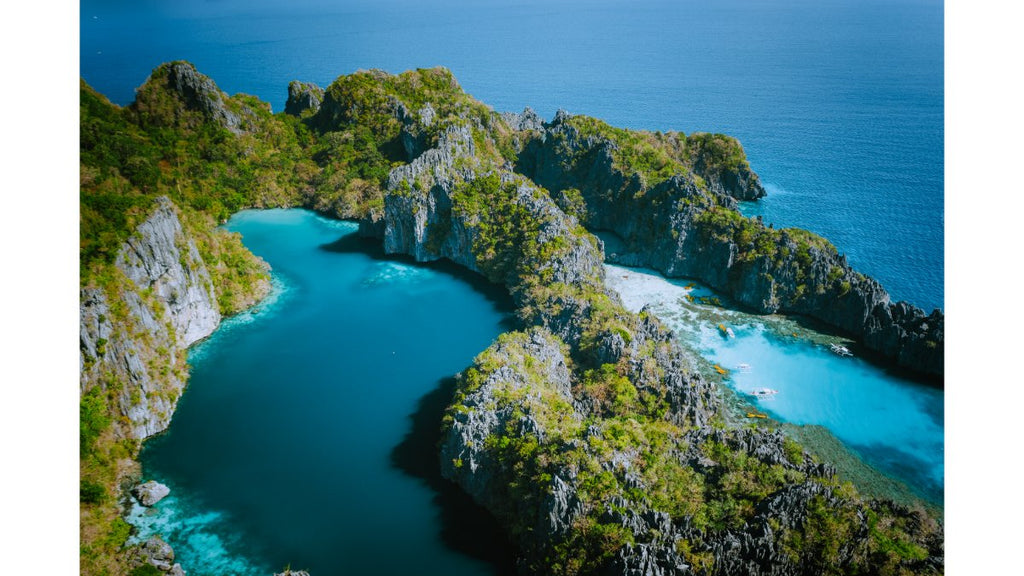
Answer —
671 198
135 330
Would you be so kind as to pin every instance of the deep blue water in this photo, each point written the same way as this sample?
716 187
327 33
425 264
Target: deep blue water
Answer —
839 103
307 433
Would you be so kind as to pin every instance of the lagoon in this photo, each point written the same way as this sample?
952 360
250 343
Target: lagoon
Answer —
306 435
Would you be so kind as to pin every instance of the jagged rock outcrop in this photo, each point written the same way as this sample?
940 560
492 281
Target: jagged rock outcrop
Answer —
303 96
419 218
199 92
466 457
524 121
680 227
149 493
133 334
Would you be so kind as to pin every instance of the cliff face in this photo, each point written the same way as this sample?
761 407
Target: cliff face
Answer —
134 333
684 226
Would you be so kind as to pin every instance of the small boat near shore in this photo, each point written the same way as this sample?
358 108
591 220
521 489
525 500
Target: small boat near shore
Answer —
744 368
763 392
726 331
840 350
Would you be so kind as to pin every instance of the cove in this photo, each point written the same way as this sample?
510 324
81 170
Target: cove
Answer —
307 434
894 424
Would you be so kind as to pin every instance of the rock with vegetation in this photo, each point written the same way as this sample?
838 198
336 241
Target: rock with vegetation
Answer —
303 97
154 553
671 199
137 321
198 92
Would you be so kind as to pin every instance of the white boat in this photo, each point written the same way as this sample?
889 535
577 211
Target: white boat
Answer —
764 392
840 350
745 368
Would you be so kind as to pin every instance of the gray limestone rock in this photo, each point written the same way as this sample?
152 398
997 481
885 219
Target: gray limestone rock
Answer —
126 334
303 96
150 493
154 552
199 92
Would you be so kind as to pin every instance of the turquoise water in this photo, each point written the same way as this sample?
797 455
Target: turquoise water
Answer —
307 433
894 424
839 103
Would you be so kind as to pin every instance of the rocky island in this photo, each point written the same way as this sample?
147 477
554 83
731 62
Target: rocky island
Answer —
586 431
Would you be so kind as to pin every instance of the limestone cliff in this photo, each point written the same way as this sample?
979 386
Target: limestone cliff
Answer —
134 333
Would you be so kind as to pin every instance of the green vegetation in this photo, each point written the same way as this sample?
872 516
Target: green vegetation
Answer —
657 156
507 230
717 153
788 250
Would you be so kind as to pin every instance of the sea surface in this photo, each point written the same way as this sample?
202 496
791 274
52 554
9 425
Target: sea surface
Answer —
307 434
838 103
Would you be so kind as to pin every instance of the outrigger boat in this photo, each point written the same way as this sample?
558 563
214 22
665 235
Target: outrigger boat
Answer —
764 392
745 368
840 350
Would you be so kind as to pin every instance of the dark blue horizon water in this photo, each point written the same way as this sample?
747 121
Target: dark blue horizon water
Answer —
307 434
838 103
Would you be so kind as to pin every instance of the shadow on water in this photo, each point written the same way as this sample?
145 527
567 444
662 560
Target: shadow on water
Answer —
465 526
497 294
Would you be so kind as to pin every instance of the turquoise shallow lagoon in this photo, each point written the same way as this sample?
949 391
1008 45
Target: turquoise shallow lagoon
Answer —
306 435
892 423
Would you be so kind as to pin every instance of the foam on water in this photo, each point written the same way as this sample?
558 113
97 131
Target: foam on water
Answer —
894 424
262 312
396 272
203 538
